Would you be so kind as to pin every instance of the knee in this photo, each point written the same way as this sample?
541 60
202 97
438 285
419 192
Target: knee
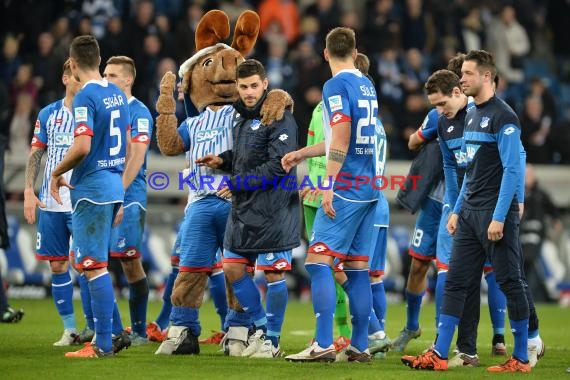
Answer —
58 267
233 271
274 276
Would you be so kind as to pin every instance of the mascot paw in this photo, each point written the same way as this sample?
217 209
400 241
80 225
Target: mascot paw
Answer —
274 107
166 103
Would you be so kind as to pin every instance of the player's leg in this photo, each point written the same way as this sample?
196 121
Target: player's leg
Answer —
378 341
497 311
467 329
247 294
91 236
465 266
156 330
423 251
126 247
358 285
217 287
53 244
505 255
341 315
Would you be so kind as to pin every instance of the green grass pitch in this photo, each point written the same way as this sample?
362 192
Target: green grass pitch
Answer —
26 350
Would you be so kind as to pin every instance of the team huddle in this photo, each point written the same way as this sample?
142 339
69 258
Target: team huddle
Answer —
94 190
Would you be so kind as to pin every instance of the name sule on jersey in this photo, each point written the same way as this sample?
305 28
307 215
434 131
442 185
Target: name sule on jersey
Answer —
113 101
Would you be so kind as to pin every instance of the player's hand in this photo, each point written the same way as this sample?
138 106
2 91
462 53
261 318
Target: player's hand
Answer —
119 217
55 184
326 203
495 231
521 210
30 204
290 160
452 223
210 161
224 192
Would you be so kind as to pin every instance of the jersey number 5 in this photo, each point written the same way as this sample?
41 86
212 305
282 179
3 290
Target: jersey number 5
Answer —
371 107
115 131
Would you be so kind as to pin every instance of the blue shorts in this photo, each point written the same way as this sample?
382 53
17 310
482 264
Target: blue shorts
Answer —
347 236
271 261
92 233
54 231
444 240
423 244
377 262
126 238
203 233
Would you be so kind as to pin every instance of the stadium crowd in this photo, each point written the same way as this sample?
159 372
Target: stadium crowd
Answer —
417 37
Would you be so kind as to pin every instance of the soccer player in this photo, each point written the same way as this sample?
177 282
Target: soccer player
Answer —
126 238
54 132
485 218
264 218
101 117
344 220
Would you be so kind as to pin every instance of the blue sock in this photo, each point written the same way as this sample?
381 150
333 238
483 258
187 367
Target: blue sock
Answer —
117 323
276 303
86 301
414 303
532 334
249 298
439 287
102 301
447 324
520 333
374 323
218 294
138 301
188 317
62 293
379 303
360 304
497 304
164 315
236 318
324 301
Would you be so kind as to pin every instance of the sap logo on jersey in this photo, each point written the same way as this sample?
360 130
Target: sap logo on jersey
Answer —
460 157
471 150
63 139
202 136
113 101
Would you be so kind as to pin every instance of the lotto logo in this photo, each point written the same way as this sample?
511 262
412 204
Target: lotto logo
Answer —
131 252
319 248
509 130
81 130
280 265
87 263
141 138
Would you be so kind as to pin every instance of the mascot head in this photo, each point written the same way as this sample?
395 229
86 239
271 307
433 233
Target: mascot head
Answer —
209 76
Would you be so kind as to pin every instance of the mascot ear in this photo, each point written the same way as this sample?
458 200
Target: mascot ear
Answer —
246 31
212 28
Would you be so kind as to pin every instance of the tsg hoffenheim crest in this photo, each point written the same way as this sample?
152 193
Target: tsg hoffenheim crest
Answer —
255 124
484 122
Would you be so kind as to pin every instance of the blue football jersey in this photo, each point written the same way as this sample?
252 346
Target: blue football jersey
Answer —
382 213
428 130
141 124
101 111
350 97
54 131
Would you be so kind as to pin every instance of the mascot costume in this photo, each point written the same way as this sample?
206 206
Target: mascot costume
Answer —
209 84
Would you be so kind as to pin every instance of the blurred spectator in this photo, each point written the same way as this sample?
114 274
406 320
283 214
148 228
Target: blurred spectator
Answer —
558 19
327 12
381 20
185 31
84 26
116 41
390 80
415 71
24 83
62 36
538 88
279 69
140 27
46 63
472 30
10 60
234 8
538 208
418 31
147 65
285 13
411 119
21 125
509 43
166 37
535 130
99 11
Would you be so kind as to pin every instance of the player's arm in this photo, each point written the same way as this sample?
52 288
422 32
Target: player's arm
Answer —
450 173
76 153
32 169
521 185
134 162
416 140
294 158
